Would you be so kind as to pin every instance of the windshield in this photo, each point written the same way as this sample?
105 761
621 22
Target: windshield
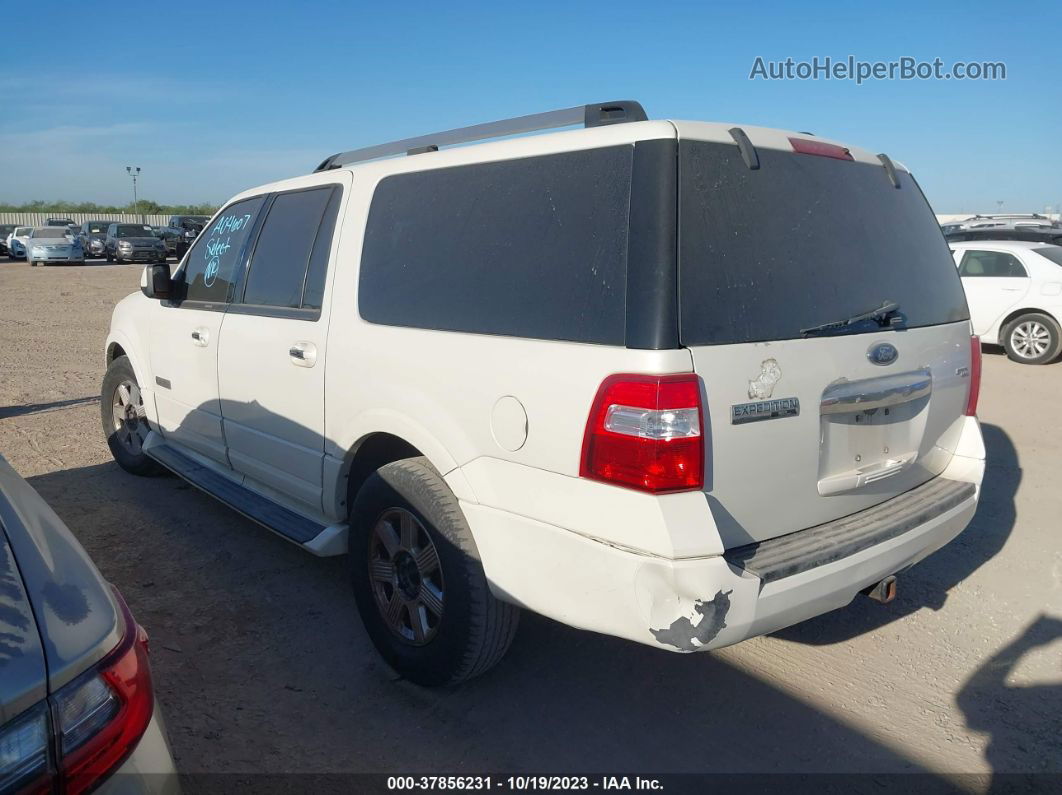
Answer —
22 231
97 229
1053 253
50 231
131 230
802 241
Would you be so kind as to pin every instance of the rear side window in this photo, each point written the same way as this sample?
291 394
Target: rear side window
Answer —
1053 253
801 241
535 247
213 263
282 253
990 263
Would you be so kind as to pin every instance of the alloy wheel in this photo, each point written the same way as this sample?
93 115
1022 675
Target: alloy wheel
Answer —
406 576
1030 339
127 409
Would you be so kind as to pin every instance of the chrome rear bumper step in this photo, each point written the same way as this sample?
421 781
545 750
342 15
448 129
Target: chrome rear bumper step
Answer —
825 543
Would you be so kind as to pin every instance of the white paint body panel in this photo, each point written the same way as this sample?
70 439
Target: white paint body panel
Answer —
593 555
189 410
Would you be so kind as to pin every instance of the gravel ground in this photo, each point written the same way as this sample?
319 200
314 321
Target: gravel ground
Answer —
261 664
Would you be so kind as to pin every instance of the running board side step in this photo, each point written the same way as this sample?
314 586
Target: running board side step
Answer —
322 540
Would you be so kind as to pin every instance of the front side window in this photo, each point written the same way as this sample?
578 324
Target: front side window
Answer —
991 264
212 265
278 269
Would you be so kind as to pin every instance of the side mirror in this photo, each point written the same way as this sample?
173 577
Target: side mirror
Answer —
156 282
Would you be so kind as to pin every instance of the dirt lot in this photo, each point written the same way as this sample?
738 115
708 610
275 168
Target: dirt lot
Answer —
262 666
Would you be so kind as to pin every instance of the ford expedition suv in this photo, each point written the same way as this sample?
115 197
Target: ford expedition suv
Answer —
678 382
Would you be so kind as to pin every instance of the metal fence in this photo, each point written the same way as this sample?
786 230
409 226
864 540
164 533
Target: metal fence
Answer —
39 219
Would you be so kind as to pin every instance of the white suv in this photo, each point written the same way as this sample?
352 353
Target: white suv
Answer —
683 383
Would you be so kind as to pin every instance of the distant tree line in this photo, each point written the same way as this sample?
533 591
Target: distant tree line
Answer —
145 206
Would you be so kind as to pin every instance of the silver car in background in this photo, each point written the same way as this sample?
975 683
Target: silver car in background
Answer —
77 708
54 244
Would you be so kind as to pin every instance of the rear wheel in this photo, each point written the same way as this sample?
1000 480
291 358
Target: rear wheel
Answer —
1034 338
420 589
124 423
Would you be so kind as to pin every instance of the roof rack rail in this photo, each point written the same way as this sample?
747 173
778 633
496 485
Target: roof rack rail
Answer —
596 115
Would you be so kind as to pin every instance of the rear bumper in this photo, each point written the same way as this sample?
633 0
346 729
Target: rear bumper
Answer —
702 603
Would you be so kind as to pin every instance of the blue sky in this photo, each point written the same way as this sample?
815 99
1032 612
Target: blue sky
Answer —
209 99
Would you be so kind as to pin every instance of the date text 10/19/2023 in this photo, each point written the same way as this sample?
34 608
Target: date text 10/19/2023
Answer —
522 783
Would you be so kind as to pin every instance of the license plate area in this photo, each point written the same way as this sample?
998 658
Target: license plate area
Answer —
871 430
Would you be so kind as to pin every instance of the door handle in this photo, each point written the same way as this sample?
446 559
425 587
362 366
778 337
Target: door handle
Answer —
303 354
201 337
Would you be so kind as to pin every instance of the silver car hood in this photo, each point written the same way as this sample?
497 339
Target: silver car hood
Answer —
74 607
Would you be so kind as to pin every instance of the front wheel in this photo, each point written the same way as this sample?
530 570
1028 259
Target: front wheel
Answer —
420 588
124 423
1034 338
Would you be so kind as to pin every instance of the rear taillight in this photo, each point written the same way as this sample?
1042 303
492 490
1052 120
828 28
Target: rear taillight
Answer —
975 376
96 722
646 432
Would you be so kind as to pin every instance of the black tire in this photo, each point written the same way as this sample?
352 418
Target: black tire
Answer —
120 439
1033 338
110 257
474 629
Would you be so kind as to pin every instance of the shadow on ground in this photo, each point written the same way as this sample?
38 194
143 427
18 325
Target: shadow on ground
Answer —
36 408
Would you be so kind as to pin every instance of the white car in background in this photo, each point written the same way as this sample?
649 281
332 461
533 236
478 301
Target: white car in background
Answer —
1014 289
18 241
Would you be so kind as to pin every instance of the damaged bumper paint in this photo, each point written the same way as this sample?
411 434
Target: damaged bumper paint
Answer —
694 603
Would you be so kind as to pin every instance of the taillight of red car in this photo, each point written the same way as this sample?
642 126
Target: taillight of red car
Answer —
646 432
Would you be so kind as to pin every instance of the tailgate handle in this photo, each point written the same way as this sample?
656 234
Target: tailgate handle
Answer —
845 397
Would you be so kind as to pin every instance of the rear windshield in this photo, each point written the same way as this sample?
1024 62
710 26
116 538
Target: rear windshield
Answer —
1053 253
802 241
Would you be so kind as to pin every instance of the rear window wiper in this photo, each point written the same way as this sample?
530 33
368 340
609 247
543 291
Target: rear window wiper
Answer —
884 315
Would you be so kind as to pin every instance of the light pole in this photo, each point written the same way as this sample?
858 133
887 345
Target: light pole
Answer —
134 171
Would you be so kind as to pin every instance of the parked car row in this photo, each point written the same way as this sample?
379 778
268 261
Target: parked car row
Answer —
61 240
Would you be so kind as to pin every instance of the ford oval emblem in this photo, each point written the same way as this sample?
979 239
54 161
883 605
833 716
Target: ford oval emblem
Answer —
882 353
